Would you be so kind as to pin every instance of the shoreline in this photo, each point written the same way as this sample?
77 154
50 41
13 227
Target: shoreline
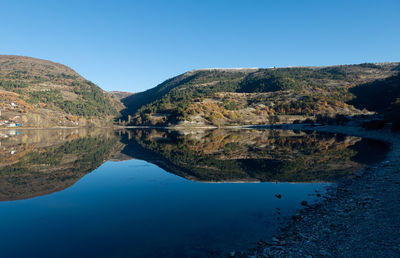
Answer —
358 217
52 128
185 128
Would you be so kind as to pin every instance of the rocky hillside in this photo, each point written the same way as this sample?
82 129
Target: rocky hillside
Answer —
259 96
40 93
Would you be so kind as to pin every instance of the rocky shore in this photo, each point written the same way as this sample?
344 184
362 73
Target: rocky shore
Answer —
358 218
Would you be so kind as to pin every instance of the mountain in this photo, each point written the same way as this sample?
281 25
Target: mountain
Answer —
40 93
260 96
120 95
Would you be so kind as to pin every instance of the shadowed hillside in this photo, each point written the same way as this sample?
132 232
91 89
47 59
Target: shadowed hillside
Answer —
382 96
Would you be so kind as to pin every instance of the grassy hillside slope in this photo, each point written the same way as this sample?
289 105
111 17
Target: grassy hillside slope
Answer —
255 96
41 93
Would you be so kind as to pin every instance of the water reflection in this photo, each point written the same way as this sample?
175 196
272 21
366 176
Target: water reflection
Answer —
253 155
37 162
102 196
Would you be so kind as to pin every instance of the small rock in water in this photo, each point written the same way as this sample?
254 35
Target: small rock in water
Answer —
326 230
296 216
274 239
232 254
301 235
267 251
304 203
333 224
324 253
278 196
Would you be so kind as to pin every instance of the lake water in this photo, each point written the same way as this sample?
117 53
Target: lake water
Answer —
159 193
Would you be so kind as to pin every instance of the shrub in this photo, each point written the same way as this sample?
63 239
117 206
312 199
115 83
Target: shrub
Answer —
308 121
374 124
341 119
396 126
324 119
330 120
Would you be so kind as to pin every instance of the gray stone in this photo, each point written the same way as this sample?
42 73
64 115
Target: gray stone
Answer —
324 253
274 239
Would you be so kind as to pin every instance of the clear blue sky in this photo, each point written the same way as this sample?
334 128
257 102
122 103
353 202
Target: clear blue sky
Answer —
134 45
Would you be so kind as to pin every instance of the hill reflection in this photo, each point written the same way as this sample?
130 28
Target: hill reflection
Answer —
253 155
39 162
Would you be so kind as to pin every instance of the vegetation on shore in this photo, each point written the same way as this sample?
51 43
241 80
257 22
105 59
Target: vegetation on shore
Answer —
260 96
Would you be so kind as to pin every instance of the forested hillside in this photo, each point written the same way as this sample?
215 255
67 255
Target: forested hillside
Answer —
258 96
41 93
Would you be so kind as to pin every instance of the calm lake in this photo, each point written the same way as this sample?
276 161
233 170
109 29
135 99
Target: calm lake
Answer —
160 193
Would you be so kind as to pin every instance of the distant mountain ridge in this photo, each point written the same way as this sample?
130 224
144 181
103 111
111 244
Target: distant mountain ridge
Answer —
40 93
255 95
120 95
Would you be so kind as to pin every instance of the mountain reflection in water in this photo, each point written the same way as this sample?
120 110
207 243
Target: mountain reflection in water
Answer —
253 155
39 162
105 193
